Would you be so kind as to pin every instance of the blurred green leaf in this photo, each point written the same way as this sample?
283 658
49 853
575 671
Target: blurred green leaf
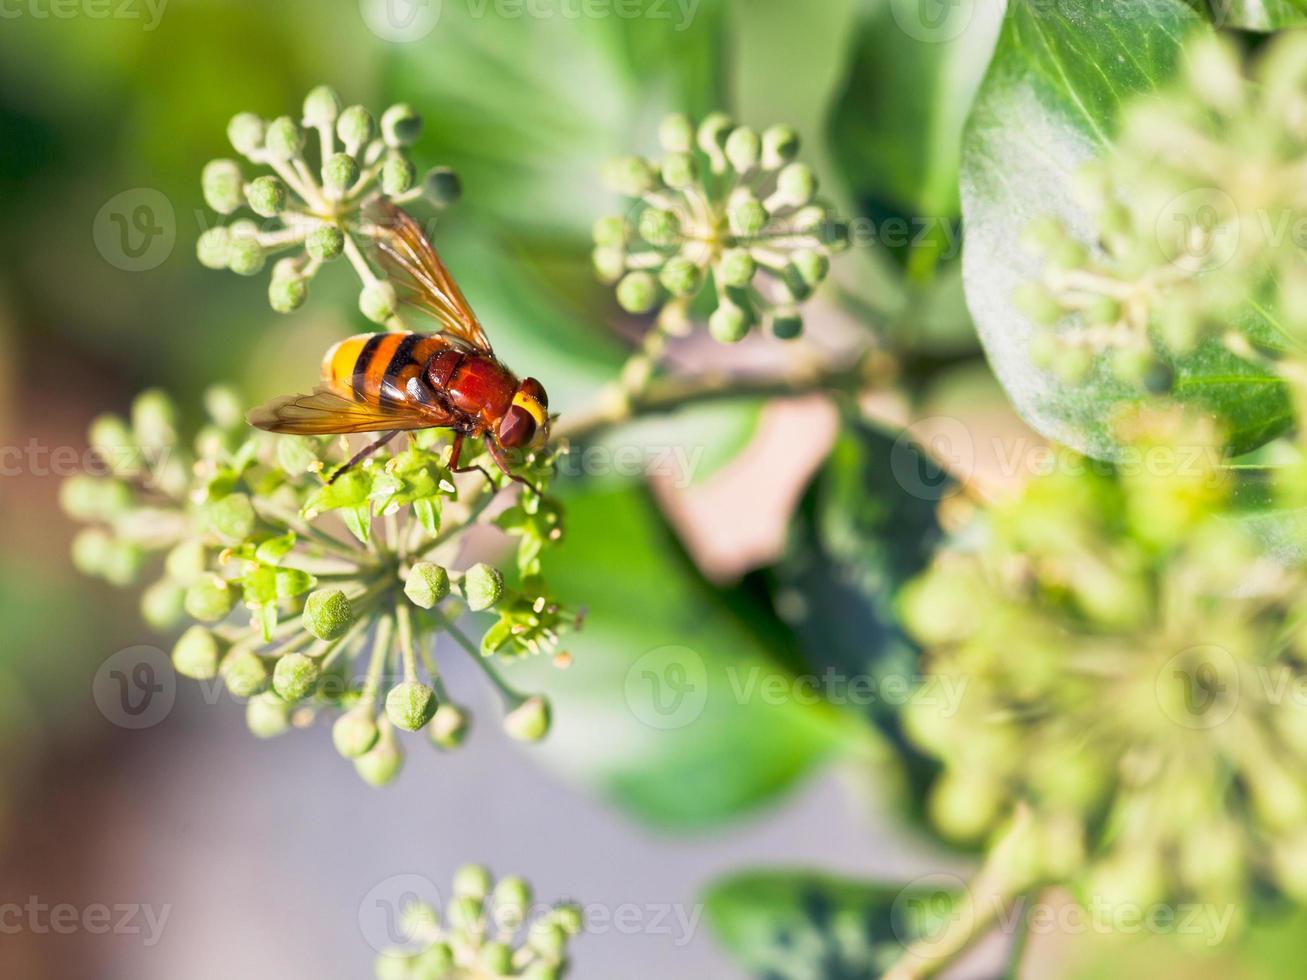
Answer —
897 126
678 704
795 925
1255 15
1048 104
529 108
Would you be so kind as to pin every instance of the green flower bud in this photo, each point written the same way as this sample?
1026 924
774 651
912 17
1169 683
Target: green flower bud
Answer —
284 139
472 881
286 294
964 805
121 563
356 128
197 654
681 277
381 763
244 673
435 961
209 600
658 227
328 614
676 134
780 145
497 957
1067 255
629 176
410 705
355 732
245 131
154 418
339 173
212 247
400 125
743 149
245 256
812 266
398 965
232 517
611 231
91 550
449 726
1073 364
680 170
729 323
796 185
1036 302
295 454
1043 234
112 440
418 919
325 242
569 918
86 498
267 716
529 721
442 187
637 292
397 175
267 196
321 106
223 185
714 131
548 938
541 970
162 604
786 324
747 217
427 584
377 301
1104 310
736 267
609 263
224 406
463 913
295 676
483 586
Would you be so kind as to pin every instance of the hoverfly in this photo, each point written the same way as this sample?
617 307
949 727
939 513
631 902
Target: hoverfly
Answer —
394 382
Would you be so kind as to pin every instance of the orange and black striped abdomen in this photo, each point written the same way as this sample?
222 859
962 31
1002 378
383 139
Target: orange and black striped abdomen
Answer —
379 366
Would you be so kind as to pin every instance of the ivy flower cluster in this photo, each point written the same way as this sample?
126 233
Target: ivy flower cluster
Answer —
728 206
488 930
314 201
1199 225
310 597
1132 667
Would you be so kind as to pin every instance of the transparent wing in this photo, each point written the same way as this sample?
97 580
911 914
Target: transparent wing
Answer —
332 410
421 278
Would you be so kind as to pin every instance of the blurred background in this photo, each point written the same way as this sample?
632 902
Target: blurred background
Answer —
269 857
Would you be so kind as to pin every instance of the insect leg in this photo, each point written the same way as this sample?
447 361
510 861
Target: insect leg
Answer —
499 459
363 454
455 451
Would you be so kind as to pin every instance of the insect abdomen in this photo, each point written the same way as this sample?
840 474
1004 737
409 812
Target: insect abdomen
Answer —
378 366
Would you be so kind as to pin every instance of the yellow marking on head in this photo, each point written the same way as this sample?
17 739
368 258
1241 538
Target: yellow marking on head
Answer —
522 400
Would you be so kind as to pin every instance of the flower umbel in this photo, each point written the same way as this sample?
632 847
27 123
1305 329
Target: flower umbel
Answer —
327 166
726 205
1121 643
488 930
345 585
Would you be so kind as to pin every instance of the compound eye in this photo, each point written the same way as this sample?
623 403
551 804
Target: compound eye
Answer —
536 390
516 428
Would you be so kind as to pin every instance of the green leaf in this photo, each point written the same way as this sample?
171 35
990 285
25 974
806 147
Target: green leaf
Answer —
897 127
794 925
677 704
867 525
1048 105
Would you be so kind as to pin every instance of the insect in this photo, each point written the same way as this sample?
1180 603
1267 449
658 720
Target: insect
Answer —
394 382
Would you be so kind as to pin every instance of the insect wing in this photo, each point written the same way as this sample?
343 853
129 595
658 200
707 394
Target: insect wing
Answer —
421 277
333 410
